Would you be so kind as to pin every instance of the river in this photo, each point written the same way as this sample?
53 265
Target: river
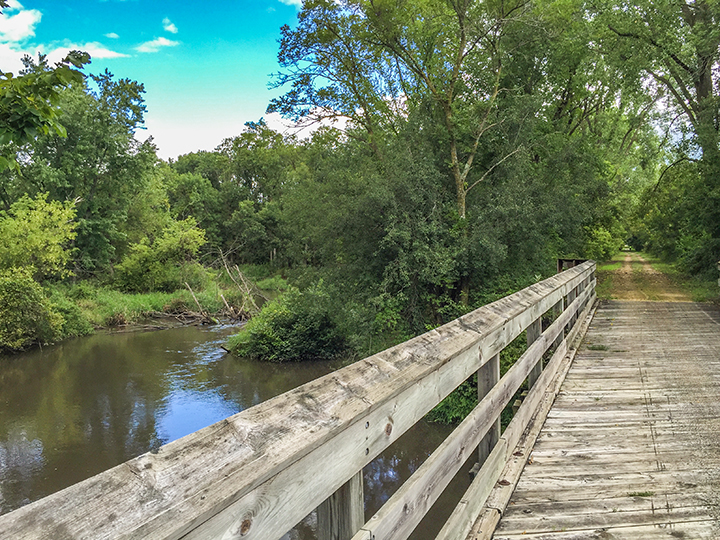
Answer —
75 409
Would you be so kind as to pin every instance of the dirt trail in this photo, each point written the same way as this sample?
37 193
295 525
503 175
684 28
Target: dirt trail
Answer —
636 279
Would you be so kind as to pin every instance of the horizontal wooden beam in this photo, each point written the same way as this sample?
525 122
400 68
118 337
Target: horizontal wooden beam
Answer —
406 508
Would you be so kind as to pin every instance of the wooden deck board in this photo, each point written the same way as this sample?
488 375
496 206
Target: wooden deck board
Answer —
631 447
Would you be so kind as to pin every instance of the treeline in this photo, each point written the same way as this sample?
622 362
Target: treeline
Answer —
482 141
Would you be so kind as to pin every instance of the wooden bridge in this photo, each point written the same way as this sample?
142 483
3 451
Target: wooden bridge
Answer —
629 450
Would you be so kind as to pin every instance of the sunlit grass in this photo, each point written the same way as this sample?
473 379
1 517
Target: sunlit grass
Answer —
609 266
698 289
604 274
106 307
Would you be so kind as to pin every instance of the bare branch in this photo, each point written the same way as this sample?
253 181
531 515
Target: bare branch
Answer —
491 169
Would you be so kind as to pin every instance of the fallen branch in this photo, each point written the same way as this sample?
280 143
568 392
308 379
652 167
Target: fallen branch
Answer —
203 314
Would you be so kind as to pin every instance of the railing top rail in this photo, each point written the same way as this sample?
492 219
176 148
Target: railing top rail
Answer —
237 476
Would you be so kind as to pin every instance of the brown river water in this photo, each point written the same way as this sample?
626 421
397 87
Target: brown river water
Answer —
75 409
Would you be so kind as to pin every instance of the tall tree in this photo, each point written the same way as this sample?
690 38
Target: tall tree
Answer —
29 101
99 163
376 61
672 48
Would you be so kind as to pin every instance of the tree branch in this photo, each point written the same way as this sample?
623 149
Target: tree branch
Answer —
654 43
491 169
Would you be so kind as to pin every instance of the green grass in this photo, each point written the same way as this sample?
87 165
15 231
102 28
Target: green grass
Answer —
597 347
641 494
700 290
103 306
609 266
604 274
604 285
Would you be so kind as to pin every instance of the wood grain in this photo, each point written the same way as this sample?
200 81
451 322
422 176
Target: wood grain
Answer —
631 446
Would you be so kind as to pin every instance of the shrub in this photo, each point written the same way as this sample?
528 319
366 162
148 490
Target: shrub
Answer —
457 405
36 233
74 323
166 263
26 316
601 245
296 326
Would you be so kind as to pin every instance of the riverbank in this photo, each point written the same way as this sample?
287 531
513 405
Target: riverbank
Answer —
52 312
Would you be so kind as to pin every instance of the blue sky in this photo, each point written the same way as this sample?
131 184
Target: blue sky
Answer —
205 65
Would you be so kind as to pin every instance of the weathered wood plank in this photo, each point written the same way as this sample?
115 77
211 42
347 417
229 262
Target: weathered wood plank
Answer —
402 513
466 512
488 377
235 476
595 517
532 333
630 449
697 530
342 514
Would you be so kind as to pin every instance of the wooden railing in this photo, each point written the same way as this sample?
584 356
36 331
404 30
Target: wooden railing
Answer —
256 474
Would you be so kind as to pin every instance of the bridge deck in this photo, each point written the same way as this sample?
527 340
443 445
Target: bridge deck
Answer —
631 448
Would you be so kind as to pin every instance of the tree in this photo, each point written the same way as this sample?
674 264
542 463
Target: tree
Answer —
99 163
29 102
36 234
375 62
673 50
25 314
165 263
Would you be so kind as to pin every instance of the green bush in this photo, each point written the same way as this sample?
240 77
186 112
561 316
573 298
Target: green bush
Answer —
37 233
601 245
166 263
296 326
457 405
461 401
26 316
74 322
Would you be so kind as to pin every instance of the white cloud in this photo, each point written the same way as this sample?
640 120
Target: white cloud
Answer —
17 27
10 59
95 49
155 45
169 26
296 3
111 35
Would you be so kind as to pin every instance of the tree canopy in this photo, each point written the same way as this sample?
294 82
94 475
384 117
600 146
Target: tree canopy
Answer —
481 140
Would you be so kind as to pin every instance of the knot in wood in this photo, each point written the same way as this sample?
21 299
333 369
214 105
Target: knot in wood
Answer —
388 429
245 527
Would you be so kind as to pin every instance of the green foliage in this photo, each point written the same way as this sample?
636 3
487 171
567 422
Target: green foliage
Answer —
29 102
37 233
296 326
74 322
166 263
273 283
99 163
454 408
461 401
26 316
600 244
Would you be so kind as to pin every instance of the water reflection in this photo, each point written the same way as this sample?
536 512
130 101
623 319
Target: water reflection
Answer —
76 409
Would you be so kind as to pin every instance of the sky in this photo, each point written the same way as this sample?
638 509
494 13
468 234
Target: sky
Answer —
206 65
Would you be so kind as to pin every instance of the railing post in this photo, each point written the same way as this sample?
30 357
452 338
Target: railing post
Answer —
557 310
488 376
533 332
342 514
569 300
